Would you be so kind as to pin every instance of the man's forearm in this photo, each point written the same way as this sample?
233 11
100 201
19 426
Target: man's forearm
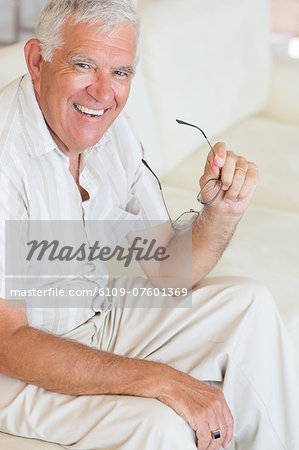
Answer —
210 237
69 367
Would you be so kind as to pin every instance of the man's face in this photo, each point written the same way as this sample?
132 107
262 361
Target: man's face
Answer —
85 87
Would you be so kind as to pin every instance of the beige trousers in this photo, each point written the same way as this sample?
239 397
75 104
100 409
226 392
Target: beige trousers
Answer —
231 336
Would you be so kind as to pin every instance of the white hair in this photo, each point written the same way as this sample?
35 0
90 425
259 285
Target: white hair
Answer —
105 13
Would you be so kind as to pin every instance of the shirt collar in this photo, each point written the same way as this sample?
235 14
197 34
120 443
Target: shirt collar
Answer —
35 129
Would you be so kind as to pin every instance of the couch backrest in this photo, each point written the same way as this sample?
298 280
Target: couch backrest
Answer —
204 61
12 62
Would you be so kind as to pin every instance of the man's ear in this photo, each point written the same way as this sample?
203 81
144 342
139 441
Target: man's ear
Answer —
33 60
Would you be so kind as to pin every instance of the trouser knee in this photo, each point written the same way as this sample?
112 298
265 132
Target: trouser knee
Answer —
253 294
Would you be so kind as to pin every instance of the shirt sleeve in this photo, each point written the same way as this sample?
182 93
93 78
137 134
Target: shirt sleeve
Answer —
13 208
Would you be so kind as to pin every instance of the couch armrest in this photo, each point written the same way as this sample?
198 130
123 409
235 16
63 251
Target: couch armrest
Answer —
283 101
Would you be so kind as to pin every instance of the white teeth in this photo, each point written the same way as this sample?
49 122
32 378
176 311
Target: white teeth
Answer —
91 112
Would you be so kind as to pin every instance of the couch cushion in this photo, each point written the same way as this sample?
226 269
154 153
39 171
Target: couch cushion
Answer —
273 146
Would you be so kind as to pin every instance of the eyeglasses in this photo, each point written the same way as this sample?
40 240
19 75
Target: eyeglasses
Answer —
206 195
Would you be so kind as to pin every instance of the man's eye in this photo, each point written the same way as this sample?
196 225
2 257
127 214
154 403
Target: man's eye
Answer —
83 66
121 74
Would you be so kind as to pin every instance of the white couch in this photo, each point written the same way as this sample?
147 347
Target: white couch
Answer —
209 62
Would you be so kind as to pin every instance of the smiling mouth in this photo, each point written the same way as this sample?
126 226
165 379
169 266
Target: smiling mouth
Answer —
89 112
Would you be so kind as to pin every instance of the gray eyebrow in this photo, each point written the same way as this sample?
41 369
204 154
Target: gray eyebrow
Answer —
86 60
128 69
82 59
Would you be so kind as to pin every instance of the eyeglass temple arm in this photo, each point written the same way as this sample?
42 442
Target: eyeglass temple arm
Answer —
161 190
148 167
182 122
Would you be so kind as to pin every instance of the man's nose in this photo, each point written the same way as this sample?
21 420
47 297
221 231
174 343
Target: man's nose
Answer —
101 89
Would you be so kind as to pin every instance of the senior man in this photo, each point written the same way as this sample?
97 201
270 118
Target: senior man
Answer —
108 376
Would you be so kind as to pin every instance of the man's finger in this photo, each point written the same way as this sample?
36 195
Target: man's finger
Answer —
215 161
228 170
250 183
219 156
237 183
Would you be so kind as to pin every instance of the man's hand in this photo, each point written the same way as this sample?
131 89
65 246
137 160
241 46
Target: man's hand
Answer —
239 178
215 227
202 406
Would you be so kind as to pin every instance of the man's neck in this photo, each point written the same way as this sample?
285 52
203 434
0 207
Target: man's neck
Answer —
74 168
